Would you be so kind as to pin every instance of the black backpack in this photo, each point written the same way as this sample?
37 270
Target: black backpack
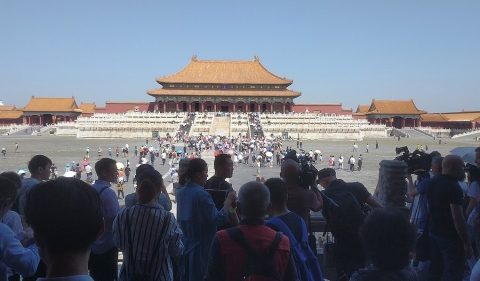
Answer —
258 265
343 213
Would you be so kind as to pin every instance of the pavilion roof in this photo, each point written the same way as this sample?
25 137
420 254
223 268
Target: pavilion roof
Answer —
88 107
224 72
393 107
363 108
10 114
224 93
464 116
51 105
7 107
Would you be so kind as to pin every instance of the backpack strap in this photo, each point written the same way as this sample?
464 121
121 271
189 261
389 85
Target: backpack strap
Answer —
102 190
286 230
253 259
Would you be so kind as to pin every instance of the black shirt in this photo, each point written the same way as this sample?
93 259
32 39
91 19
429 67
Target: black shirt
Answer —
442 191
357 189
217 183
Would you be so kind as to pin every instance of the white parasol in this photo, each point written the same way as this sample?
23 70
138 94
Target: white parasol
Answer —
318 151
69 174
269 154
120 165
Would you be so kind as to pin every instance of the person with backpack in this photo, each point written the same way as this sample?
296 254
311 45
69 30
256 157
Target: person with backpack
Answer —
251 251
293 226
344 213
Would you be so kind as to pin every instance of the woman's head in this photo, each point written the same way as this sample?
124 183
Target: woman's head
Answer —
197 171
388 238
150 183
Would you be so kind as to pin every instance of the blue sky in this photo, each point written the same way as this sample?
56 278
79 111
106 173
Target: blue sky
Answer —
345 52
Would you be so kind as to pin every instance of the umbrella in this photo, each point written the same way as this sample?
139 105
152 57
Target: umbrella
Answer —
269 154
318 151
21 171
469 158
466 152
179 150
69 174
230 152
120 165
462 150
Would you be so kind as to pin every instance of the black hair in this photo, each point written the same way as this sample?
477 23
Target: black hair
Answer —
66 214
103 165
14 177
278 191
196 165
38 161
8 189
221 160
388 238
146 191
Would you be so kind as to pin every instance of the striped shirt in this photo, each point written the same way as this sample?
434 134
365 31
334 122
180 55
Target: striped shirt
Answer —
146 223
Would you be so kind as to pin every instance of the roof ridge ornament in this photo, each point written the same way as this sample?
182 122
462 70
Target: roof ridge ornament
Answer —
194 58
256 59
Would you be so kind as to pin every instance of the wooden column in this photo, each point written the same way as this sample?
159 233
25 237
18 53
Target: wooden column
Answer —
403 122
258 107
271 108
176 106
215 107
283 107
234 107
203 106
164 107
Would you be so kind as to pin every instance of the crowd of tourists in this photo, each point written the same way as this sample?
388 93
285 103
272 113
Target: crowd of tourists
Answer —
66 228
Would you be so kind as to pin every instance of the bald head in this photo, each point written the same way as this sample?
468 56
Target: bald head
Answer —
290 171
453 165
254 200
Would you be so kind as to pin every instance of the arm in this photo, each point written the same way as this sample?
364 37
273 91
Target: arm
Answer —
175 247
461 227
471 205
317 201
411 186
12 253
214 267
373 203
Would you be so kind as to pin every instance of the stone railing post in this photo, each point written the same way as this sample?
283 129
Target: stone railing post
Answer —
391 184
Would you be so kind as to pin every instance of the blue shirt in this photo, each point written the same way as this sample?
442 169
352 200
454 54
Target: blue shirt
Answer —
422 216
13 255
110 211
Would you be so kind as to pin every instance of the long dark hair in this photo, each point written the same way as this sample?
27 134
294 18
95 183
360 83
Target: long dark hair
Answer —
196 165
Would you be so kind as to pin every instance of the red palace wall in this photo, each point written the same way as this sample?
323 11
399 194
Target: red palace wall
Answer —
322 108
121 107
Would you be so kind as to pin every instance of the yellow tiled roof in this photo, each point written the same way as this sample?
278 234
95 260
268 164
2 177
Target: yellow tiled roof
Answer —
87 107
224 93
393 107
465 116
363 108
10 114
51 105
224 72
7 107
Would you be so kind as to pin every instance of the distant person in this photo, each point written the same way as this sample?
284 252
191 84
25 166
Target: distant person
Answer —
16 147
67 217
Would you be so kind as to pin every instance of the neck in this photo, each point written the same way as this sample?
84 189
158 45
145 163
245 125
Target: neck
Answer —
37 177
280 211
68 265
217 175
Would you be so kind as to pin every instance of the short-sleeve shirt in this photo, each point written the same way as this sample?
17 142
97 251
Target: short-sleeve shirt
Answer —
293 221
442 191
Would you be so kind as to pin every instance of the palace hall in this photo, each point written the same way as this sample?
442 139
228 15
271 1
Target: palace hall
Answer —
225 86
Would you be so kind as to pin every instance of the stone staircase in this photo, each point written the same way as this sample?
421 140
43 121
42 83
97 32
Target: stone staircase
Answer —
220 126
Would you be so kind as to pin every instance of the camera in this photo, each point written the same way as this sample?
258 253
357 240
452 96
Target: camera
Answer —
418 162
308 172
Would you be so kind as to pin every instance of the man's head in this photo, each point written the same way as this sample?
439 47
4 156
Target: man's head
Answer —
437 165
223 166
454 166
477 156
66 216
182 170
39 166
106 169
326 176
253 200
290 171
278 192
